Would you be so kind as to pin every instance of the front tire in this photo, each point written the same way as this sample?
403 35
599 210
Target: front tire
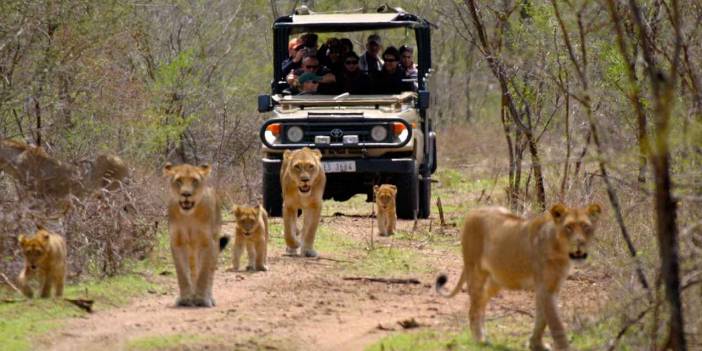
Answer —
424 198
407 200
272 195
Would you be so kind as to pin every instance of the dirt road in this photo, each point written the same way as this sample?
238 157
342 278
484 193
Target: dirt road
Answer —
305 304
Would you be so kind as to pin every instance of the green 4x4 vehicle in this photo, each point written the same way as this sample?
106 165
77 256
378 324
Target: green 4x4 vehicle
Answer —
364 139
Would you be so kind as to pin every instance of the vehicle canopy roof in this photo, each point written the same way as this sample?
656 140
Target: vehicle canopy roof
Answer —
285 26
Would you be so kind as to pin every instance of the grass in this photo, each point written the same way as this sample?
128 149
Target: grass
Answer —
23 321
165 342
504 334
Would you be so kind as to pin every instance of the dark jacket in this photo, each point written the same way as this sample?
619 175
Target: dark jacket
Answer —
385 82
358 83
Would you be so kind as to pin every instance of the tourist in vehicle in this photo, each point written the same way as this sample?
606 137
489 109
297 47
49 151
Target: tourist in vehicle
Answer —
309 83
310 64
346 46
333 58
309 40
408 65
352 79
390 79
369 61
295 53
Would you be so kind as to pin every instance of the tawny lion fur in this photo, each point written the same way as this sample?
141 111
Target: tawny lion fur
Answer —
302 179
251 233
45 261
386 213
194 224
502 250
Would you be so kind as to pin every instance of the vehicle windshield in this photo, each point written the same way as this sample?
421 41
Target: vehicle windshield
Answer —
380 62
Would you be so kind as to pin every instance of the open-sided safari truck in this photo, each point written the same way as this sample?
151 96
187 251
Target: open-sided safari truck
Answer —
364 139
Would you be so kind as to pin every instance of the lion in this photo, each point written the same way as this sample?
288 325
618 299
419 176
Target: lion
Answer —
385 202
44 259
252 233
502 250
302 179
194 224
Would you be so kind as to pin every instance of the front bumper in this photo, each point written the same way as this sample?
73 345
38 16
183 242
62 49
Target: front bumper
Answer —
365 166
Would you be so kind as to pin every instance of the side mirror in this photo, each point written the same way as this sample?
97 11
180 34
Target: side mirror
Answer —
264 103
423 100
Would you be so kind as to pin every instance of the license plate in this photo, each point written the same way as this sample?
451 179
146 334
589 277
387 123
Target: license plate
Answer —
339 166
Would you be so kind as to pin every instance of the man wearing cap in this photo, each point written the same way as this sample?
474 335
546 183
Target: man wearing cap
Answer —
369 62
309 82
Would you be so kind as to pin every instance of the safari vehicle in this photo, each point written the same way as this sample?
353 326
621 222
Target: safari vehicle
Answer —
364 139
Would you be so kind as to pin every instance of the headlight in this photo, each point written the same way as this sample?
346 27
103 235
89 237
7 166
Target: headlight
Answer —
294 134
379 133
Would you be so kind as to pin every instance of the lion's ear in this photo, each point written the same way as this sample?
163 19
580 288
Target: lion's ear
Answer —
375 189
22 239
317 154
237 211
44 236
205 170
594 210
168 169
394 188
286 154
558 212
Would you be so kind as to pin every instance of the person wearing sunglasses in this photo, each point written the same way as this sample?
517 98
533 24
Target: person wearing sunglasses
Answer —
352 79
310 64
389 79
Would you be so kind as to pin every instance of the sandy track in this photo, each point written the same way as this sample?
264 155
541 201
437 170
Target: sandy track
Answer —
300 304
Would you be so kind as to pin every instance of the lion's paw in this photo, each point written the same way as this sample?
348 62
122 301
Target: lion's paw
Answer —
184 302
292 251
263 268
540 346
203 302
309 253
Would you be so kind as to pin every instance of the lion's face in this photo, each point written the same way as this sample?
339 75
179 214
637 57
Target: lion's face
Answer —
576 226
36 248
247 218
187 184
385 195
304 166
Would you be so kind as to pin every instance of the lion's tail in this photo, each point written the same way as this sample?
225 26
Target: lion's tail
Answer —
442 279
223 241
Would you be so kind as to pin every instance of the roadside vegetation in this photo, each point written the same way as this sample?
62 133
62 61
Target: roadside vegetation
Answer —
534 102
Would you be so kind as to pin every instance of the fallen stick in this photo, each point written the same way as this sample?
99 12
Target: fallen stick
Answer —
317 258
441 211
86 305
7 280
385 280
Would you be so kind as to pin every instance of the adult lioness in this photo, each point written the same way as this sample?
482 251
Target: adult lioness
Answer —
45 260
503 250
302 179
385 206
194 223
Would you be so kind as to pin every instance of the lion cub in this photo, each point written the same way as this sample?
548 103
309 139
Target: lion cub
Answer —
252 233
502 250
385 206
45 259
